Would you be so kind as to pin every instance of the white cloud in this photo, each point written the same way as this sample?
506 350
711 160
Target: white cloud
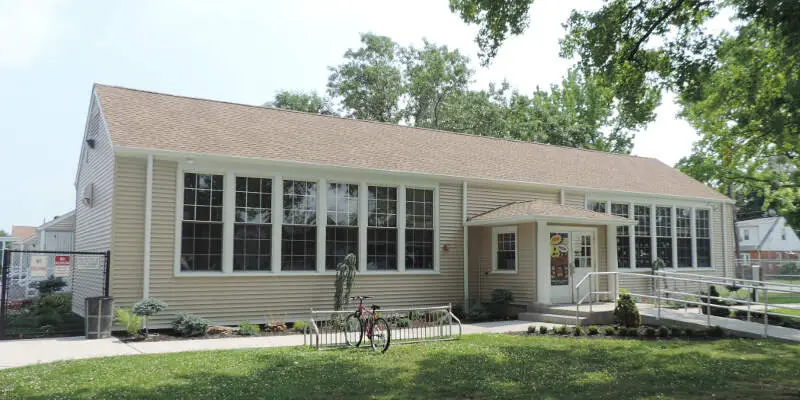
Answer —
26 28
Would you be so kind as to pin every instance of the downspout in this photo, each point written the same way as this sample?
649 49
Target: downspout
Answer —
466 244
148 226
562 196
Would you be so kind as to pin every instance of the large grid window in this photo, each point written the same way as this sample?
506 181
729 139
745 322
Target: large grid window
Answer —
299 230
683 226
623 236
703 237
381 228
643 245
341 232
419 229
252 228
664 235
599 206
201 226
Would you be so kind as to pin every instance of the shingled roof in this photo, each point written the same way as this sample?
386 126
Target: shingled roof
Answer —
534 209
146 120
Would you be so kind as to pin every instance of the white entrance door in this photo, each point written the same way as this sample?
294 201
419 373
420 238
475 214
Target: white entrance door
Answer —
571 259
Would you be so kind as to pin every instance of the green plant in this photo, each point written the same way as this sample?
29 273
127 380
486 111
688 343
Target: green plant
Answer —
542 330
248 329
130 321
50 285
502 296
577 330
626 311
716 311
414 315
716 331
300 326
675 331
663 331
188 325
610 331
650 332
688 332
561 330
593 330
403 323
345 276
531 329
146 308
478 313
50 309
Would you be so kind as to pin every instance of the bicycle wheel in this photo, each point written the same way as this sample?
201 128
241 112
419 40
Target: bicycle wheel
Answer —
353 330
380 335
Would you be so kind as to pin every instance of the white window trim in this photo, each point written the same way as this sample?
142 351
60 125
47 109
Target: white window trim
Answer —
231 171
495 232
692 206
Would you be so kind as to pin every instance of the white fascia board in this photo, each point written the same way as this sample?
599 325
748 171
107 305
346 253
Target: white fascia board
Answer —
548 219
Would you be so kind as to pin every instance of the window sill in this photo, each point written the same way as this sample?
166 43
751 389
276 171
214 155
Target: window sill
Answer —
294 273
503 272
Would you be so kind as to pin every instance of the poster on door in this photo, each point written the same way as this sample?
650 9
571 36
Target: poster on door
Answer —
559 259
38 266
61 266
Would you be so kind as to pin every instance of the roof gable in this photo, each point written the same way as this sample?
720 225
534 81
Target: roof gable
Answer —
147 120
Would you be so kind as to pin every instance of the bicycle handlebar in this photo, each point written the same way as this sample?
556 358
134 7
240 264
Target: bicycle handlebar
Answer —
360 297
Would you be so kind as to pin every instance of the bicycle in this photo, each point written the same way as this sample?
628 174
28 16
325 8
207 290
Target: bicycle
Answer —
365 322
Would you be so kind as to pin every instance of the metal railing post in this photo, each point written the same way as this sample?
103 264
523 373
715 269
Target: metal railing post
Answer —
766 310
708 310
450 319
756 277
658 299
4 267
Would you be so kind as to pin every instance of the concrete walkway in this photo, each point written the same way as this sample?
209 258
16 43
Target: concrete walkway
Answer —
18 353
691 318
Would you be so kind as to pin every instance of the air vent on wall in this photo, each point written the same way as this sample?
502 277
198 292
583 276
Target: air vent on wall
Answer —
88 195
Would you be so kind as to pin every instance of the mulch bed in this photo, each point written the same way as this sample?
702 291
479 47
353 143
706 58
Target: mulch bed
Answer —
165 335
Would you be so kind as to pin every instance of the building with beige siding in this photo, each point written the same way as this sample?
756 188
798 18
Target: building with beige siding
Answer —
237 212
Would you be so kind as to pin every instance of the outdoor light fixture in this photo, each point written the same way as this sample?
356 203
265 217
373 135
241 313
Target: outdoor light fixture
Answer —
90 142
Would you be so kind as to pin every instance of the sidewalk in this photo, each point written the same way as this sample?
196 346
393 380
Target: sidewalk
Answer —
18 353
692 318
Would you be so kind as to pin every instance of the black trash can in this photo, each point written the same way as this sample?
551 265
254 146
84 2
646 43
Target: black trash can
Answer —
99 316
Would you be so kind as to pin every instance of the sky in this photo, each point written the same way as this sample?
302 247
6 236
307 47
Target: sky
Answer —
51 52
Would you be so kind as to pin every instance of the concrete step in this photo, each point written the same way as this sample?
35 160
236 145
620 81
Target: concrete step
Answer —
552 318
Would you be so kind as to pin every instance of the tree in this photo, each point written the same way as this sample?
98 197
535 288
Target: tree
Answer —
309 102
370 81
4 233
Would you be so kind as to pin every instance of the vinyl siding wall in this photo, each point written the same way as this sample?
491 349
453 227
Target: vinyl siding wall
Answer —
228 299
93 223
483 280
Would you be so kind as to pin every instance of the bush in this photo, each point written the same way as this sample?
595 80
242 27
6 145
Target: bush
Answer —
789 269
593 330
49 285
149 306
248 329
51 309
716 311
610 331
477 313
688 332
458 311
531 329
403 323
130 321
300 326
675 331
650 332
626 311
628 332
188 325
577 330
716 331
502 296
542 330
663 331
561 330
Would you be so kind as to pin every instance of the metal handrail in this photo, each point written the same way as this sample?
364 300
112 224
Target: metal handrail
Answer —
733 280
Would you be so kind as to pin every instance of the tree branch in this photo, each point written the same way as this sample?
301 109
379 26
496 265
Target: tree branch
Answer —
653 27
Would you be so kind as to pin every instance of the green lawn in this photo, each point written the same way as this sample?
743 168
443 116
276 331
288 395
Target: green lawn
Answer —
773 297
477 367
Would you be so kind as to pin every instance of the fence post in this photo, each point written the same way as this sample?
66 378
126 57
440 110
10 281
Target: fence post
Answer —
107 271
4 290
659 293
756 277
766 310
450 319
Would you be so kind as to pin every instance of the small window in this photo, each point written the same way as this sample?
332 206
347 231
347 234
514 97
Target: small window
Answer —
504 249
683 225
598 206
644 250
746 234
664 235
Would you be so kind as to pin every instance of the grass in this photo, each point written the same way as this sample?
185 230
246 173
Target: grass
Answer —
477 367
773 297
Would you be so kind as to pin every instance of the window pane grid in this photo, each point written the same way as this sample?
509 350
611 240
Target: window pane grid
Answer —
299 203
664 235
299 231
506 251
623 238
201 227
252 247
703 234
342 204
599 206
339 242
381 249
419 249
253 200
419 229
382 206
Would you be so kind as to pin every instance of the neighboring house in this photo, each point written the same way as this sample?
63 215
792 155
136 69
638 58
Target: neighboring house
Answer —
21 234
237 212
767 242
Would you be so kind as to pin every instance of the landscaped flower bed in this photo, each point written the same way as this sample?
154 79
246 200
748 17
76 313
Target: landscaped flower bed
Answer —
641 332
218 332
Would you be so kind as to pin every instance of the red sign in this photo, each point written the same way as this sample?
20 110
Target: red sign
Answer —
62 260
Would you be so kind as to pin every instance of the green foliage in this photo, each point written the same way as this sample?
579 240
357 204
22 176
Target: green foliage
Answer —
791 268
593 330
577 330
345 276
650 332
675 331
50 285
663 331
561 330
688 332
51 309
148 307
609 331
716 311
129 320
248 329
189 325
502 296
543 330
478 313
716 331
300 326
403 323
626 311
300 101
531 329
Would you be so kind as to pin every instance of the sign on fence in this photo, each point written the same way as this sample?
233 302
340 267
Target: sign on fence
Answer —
61 266
38 266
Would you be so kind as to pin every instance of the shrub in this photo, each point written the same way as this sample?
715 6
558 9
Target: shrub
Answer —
300 326
626 311
561 330
593 330
716 311
49 285
716 331
610 331
130 321
542 330
51 309
531 329
458 311
188 325
675 331
403 323
414 314
502 296
650 332
477 313
789 269
663 331
688 332
577 330
248 329
149 306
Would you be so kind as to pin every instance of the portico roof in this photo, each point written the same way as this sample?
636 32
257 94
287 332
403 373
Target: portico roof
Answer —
537 210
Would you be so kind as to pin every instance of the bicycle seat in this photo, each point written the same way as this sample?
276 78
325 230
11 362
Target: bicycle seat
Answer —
360 297
374 307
